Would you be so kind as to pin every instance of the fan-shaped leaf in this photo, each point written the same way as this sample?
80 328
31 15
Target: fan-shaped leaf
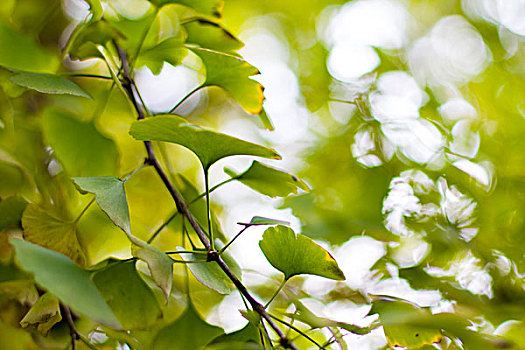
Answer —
48 84
211 35
188 332
160 265
53 233
63 278
44 314
210 274
110 196
297 254
233 74
170 50
268 180
208 145
128 296
11 210
22 290
79 146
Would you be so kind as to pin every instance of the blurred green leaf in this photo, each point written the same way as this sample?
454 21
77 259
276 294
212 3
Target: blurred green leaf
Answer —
233 74
205 7
22 290
208 145
128 296
44 314
188 332
265 120
211 35
268 180
12 179
53 233
78 145
21 51
48 84
95 7
110 196
297 254
84 43
247 338
11 210
63 278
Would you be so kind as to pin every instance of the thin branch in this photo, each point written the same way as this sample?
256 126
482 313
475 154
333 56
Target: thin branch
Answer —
185 98
182 207
73 331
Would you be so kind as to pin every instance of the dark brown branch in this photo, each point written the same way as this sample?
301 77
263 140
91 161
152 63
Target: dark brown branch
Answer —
182 207
72 330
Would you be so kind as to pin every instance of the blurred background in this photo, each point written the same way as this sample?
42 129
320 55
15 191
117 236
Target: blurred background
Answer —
405 118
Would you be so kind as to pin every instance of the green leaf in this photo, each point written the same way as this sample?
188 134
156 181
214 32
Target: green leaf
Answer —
268 180
210 274
170 50
48 84
233 74
63 278
12 179
96 9
266 121
53 233
303 314
22 290
259 220
110 196
44 314
78 145
246 338
208 145
128 296
21 51
395 317
84 45
188 332
297 254
211 35
11 210
205 7
160 266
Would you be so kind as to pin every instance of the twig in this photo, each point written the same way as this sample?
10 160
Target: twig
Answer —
73 331
182 207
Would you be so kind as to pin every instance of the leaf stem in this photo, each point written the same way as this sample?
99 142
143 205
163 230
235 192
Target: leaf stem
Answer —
143 38
232 240
276 292
208 213
133 172
185 98
84 210
306 336
83 75
186 251
75 335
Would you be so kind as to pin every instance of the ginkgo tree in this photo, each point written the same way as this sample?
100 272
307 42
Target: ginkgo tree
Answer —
109 237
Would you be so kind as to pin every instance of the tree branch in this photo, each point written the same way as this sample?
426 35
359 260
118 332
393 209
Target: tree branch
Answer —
182 207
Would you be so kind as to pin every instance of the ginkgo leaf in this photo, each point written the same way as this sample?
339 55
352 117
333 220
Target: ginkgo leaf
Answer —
84 45
210 274
48 84
53 233
297 254
66 280
205 7
259 220
395 316
110 196
170 50
22 290
79 146
208 145
268 180
11 210
211 35
232 74
189 331
128 296
159 264
247 338
44 314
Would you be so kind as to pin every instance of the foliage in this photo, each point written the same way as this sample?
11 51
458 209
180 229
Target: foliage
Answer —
411 177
